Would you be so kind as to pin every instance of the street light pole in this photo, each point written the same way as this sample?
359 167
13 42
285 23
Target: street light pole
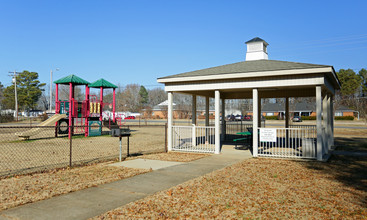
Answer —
50 108
15 91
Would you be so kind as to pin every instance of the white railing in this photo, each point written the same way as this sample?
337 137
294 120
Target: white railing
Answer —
289 143
193 138
310 127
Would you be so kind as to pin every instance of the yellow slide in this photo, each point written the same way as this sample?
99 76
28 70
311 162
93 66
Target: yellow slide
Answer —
49 122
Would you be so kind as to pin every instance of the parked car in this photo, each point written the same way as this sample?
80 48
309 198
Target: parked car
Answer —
297 119
238 118
130 117
230 117
247 118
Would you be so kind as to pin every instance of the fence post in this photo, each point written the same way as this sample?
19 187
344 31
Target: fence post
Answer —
71 147
120 148
128 147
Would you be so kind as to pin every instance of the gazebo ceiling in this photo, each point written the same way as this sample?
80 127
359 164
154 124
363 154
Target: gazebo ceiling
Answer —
264 93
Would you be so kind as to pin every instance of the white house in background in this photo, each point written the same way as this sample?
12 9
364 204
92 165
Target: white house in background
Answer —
257 78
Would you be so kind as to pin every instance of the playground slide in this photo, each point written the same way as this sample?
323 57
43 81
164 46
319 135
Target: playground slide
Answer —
49 122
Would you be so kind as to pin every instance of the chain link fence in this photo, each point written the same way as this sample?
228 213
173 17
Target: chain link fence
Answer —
30 149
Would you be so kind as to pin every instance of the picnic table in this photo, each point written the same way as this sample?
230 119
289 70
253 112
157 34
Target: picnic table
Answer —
246 136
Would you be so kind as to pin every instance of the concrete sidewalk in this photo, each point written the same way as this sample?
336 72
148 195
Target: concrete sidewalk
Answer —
94 201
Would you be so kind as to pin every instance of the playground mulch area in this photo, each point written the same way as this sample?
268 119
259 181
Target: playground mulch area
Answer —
24 189
262 188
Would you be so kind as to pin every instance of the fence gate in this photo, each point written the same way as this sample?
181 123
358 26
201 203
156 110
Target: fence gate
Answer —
193 139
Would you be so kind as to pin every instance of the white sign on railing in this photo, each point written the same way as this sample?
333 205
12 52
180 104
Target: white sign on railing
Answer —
268 135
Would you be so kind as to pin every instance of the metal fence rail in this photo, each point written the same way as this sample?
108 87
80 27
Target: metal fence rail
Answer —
193 139
290 143
43 151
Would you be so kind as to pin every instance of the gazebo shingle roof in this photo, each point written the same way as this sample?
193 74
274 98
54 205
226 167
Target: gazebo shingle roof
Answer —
247 67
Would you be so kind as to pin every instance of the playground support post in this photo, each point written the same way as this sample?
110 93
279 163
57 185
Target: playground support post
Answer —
71 96
87 110
56 106
101 101
114 106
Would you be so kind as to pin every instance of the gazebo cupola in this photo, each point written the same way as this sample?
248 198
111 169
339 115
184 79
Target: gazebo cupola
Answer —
256 49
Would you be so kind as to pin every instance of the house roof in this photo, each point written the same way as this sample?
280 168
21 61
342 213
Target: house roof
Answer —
102 83
72 79
248 67
343 108
165 103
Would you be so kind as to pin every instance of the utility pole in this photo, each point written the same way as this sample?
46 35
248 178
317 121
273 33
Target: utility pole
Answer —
15 90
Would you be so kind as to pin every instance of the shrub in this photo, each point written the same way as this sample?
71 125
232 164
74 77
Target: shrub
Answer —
273 117
43 117
351 118
308 118
6 118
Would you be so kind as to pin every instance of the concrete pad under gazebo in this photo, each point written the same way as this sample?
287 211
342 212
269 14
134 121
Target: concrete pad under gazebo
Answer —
257 78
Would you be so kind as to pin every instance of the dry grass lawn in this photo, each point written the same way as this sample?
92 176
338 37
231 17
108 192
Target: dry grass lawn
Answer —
267 188
262 188
24 189
43 151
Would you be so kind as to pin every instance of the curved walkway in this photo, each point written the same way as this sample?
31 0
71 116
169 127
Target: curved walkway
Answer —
94 201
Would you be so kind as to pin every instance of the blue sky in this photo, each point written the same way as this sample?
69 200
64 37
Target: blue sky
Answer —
138 41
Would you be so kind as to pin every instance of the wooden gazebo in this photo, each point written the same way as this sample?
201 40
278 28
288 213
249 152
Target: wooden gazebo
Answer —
257 78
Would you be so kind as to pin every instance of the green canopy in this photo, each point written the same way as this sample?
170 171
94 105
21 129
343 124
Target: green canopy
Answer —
102 83
72 79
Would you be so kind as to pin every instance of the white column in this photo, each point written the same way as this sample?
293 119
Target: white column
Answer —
207 111
329 121
193 109
325 123
255 119
286 112
259 109
223 117
319 122
217 121
332 114
170 121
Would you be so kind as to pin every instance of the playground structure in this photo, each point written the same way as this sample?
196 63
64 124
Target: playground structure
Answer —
87 113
